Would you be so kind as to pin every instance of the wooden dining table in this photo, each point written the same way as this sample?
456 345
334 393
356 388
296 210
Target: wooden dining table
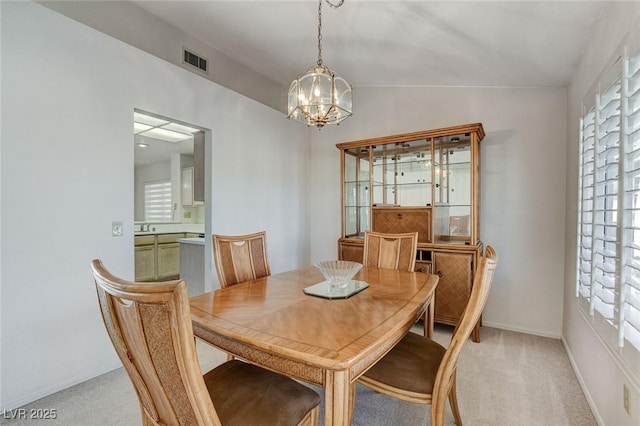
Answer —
271 322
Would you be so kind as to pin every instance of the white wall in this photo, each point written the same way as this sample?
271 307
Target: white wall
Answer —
68 95
523 177
133 25
601 376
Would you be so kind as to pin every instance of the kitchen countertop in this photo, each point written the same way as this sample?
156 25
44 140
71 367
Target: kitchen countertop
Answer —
198 241
169 231
161 232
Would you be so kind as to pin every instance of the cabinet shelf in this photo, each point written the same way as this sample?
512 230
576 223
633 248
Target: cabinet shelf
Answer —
394 185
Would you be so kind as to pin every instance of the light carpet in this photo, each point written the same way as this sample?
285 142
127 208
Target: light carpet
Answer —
507 379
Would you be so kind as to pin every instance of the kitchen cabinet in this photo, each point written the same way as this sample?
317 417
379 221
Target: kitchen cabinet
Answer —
192 185
168 255
157 257
145 257
426 181
188 188
198 167
192 264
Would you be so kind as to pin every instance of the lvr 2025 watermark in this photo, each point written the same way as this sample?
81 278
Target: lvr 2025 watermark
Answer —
30 413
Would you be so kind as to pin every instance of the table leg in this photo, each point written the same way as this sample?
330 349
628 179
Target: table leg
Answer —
337 396
352 401
429 318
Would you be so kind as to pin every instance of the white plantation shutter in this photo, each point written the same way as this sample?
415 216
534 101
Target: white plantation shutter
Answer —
157 201
608 245
585 204
630 290
604 263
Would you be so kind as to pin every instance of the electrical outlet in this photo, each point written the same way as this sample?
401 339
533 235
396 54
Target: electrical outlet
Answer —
116 229
187 215
625 397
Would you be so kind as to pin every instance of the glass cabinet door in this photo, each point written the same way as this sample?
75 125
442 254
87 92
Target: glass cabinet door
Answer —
452 188
356 192
402 174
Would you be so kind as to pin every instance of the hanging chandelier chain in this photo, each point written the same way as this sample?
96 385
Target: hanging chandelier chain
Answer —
335 6
320 33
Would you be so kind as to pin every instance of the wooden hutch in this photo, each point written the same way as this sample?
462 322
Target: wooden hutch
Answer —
429 182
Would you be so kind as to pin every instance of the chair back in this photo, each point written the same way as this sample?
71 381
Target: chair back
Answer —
150 327
390 251
240 258
445 376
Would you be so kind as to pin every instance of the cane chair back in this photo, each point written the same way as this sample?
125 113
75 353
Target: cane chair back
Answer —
240 258
150 327
390 251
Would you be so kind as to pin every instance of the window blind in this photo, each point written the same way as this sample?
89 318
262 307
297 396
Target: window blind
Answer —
157 201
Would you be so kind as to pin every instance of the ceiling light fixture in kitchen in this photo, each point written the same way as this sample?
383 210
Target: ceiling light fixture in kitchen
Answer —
320 97
158 128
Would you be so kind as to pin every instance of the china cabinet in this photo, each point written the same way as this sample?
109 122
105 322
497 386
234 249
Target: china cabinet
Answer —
429 182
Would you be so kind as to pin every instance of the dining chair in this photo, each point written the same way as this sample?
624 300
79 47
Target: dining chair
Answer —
420 370
390 251
150 327
396 251
240 258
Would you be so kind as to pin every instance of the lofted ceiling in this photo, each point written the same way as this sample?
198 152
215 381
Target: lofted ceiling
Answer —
397 43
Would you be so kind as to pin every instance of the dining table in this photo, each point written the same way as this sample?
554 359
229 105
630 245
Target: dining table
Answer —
273 323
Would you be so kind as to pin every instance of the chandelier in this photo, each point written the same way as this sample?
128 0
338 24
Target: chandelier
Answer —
320 97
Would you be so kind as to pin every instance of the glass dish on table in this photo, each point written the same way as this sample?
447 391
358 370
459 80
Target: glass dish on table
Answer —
338 282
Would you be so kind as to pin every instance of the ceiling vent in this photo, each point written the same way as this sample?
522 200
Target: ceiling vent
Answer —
194 60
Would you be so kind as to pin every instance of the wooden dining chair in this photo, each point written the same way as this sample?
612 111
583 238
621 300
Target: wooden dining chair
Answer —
390 251
395 251
419 369
150 327
240 258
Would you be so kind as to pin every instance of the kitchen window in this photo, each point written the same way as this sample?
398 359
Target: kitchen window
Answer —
157 201
608 250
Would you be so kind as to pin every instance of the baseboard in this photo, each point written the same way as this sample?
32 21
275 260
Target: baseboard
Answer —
521 330
49 390
583 386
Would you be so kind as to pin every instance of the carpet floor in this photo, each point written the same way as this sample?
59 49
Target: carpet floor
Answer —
508 378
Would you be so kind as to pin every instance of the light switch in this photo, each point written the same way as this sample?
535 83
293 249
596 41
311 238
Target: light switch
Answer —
116 229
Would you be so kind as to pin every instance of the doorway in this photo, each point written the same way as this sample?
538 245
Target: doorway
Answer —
169 200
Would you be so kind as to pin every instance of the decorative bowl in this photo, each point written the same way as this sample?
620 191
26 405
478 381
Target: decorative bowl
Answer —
338 272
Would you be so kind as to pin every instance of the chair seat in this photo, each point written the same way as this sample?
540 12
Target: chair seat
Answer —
244 394
411 365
